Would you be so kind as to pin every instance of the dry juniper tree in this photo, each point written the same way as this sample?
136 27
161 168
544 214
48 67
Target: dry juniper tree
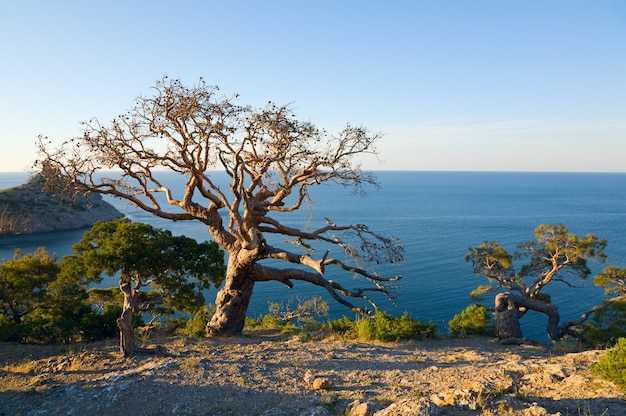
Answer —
271 158
556 255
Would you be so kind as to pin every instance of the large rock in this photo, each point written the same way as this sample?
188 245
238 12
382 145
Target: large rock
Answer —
358 408
29 209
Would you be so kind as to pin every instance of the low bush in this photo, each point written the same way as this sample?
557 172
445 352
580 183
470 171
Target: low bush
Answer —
340 326
268 321
195 326
606 325
612 366
96 326
383 327
473 320
10 331
291 319
175 325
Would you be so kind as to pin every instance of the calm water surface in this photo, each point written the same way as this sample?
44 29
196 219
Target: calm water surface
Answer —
437 215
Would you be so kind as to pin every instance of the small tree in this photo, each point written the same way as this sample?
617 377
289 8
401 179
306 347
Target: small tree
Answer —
609 319
473 320
176 267
24 280
271 158
40 303
612 366
556 255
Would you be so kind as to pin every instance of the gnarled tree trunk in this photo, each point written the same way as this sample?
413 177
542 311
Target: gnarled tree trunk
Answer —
125 321
506 316
232 301
509 309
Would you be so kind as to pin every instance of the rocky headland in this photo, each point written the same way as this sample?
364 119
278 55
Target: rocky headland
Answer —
271 375
30 209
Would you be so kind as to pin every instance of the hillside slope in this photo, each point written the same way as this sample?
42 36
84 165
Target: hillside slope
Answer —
29 209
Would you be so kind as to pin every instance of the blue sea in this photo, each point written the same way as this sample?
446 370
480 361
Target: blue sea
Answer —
437 216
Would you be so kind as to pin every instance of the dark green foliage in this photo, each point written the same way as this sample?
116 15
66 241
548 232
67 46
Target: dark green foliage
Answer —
172 325
473 320
100 325
341 326
196 325
176 267
44 304
101 297
384 327
44 301
555 255
24 280
55 325
612 366
607 325
10 331
302 317
159 273
267 321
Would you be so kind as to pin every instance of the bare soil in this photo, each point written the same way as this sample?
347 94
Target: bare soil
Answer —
263 373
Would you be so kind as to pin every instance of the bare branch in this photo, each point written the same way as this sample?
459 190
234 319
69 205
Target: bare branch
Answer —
270 158
336 291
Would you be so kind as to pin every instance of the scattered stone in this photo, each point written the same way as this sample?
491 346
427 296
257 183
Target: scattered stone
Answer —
536 410
358 408
456 397
322 383
308 377
317 411
422 407
328 398
255 376
555 371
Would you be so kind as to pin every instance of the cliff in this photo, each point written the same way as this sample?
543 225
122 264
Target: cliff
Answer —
29 209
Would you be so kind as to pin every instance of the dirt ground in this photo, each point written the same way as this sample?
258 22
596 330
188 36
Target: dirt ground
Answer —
266 374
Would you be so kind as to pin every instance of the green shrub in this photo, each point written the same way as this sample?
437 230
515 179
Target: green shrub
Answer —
290 319
340 326
363 329
172 325
607 325
383 327
270 321
473 320
390 328
10 331
101 325
612 366
308 323
195 326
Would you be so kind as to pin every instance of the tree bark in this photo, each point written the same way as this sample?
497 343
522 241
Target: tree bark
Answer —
506 317
509 309
125 321
232 302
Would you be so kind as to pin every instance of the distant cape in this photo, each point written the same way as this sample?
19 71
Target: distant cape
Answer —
29 209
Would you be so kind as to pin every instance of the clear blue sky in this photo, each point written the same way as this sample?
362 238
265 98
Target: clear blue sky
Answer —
453 85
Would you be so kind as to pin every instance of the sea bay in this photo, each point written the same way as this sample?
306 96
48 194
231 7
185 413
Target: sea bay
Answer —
437 216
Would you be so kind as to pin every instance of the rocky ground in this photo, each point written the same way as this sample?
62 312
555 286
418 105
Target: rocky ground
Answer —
263 373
